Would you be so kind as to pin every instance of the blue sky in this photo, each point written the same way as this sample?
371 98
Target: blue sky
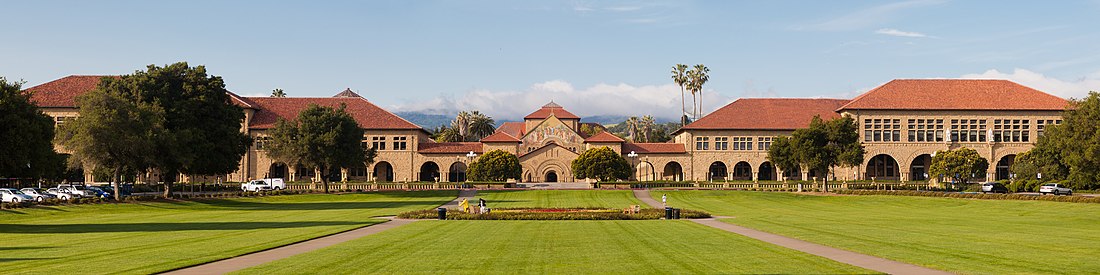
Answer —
594 57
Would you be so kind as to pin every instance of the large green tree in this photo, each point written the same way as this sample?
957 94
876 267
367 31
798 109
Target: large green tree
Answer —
601 163
202 126
112 133
961 165
1077 142
1036 166
321 138
821 147
25 148
496 165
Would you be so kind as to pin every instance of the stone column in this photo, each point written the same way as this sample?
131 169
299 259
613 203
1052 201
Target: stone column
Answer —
755 176
343 175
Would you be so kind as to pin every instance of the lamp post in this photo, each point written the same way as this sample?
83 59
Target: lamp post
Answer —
633 167
469 159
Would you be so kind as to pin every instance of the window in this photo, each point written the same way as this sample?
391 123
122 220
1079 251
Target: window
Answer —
742 143
261 142
882 130
721 143
58 121
701 143
1041 125
357 172
400 143
925 130
764 143
972 130
1016 130
378 143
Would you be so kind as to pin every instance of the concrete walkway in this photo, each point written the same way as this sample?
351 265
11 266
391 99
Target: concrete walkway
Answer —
840 255
468 194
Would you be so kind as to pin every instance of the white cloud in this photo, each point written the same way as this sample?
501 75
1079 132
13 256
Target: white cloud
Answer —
602 99
896 32
867 17
1076 88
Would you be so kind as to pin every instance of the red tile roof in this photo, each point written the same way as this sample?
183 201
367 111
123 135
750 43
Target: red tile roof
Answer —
603 136
955 94
515 129
551 109
768 114
368 115
63 92
242 102
347 93
500 137
654 148
449 147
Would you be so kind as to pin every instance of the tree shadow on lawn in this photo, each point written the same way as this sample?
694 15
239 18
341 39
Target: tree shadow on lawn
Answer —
157 227
4 260
280 206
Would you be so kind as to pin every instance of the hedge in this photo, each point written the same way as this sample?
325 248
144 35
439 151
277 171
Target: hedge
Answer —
575 214
1080 199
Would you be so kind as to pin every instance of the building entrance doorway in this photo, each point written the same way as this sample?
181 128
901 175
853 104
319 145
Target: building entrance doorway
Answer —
551 176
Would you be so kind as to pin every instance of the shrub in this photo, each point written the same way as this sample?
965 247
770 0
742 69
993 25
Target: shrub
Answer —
1081 199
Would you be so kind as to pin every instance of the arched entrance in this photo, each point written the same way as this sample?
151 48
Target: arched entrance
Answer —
767 172
717 171
793 174
920 167
883 167
1004 167
429 172
551 176
673 171
742 171
457 173
383 172
645 172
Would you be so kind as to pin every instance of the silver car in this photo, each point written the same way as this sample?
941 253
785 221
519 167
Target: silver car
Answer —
13 196
1055 188
39 195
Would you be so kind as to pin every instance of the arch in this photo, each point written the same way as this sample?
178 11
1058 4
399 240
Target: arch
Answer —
717 171
383 172
883 167
793 174
1004 167
429 172
457 172
551 176
742 171
766 172
644 171
920 168
673 171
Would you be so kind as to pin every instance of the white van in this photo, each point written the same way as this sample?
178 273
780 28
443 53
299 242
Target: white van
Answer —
263 185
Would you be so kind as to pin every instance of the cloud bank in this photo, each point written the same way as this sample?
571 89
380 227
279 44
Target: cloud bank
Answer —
1077 88
896 32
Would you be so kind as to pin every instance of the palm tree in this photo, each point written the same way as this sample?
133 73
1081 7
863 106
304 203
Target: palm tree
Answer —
461 124
632 128
278 93
697 76
680 77
480 126
647 127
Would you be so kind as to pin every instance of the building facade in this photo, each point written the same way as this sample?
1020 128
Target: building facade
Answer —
902 124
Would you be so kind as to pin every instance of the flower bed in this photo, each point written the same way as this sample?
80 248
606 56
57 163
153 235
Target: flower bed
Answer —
554 214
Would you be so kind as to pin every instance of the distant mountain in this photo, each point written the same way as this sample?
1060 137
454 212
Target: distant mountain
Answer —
609 120
428 121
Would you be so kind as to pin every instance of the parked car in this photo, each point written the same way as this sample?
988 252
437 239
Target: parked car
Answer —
39 195
76 190
994 187
59 194
100 193
13 196
1055 188
263 185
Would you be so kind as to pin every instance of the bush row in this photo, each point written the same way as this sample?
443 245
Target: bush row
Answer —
1081 199
613 214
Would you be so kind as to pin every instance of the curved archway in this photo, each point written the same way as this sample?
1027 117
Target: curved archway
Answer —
793 174
277 170
429 172
673 171
645 172
551 176
383 172
767 172
919 169
883 167
717 171
742 171
1004 167
457 172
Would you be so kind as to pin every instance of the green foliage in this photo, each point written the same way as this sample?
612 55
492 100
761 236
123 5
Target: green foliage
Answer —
601 163
646 130
961 165
1028 166
496 165
1076 143
322 138
467 126
278 93
25 148
820 147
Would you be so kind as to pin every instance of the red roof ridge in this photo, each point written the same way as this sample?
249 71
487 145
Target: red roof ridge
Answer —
551 109
767 114
603 136
499 137
955 94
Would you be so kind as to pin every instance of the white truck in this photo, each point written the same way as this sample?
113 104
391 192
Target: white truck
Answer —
71 191
263 185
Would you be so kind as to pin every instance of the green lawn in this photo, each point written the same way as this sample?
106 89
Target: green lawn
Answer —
616 199
152 237
958 235
553 247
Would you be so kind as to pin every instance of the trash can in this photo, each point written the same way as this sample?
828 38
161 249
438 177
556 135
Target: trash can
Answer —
676 213
668 213
442 213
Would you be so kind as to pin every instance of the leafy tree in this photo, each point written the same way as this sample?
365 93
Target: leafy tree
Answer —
1077 142
202 127
496 165
1028 165
961 165
113 133
467 126
601 163
697 76
821 147
590 130
480 126
321 138
680 77
278 93
25 148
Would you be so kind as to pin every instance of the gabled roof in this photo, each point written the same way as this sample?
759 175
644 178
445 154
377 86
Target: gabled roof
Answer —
603 136
63 91
500 137
768 114
654 148
368 115
551 109
954 94
515 129
347 93
449 147
548 146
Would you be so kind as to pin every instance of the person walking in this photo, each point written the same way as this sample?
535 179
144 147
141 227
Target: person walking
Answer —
664 200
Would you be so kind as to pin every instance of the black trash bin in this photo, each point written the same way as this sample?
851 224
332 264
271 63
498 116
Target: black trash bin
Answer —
676 213
668 213
442 213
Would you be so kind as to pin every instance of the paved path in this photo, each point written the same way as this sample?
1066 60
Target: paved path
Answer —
840 255
468 194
